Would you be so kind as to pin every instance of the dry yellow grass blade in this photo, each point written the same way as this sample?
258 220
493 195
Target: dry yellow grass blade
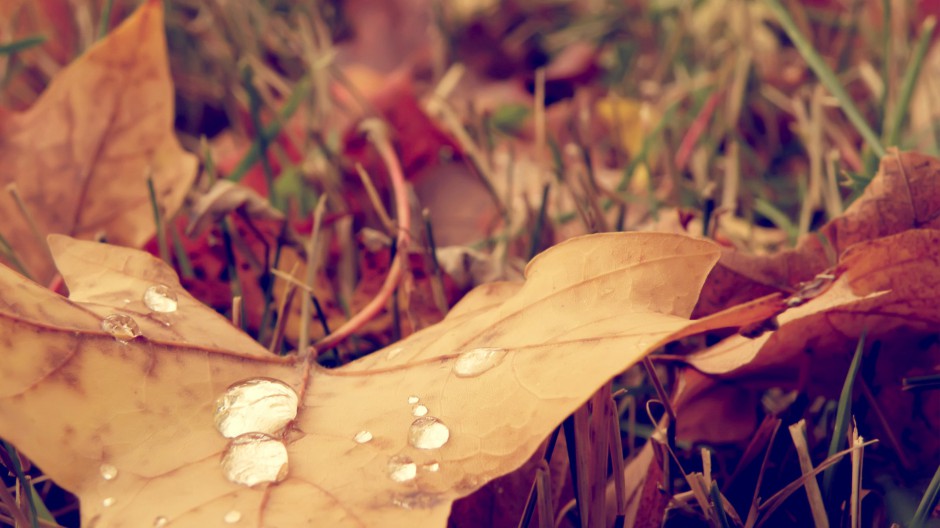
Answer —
390 440
81 155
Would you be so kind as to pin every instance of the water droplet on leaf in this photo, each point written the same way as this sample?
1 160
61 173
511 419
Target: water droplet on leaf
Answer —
108 472
477 361
401 468
255 406
394 352
362 437
232 517
419 410
255 458
428 432
108 502
413 399
161 298
433 467
122 327
160 522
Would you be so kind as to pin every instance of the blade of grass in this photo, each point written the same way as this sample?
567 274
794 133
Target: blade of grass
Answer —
826 76
723 520
20 45
182 259
24 482
843 412
262 141
927 503
893 127
232 268
271 131
105 20
158 222
543 483
816 504
855 500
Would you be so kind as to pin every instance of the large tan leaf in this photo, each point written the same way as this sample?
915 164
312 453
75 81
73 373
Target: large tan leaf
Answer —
81 155
77 401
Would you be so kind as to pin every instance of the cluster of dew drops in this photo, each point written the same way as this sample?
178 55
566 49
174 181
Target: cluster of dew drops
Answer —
253 412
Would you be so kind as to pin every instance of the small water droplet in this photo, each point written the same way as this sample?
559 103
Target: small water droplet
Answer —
413 399
428 432
108 502
607 291
401 468
255 458
394 352
477 361
363 437
433 467
416 501
232 517
122 327
108 472
258 405
419 410
161 298
160 522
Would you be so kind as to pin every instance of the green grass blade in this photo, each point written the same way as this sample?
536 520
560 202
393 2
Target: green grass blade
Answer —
25 483
158 223
843 413
910 80
104 22
23 44
927 503
826 76
271 131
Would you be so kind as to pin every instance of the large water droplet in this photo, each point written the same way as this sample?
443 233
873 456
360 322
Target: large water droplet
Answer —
160 522
108 502
161 298
255 406
363 437
122 327
108 472
428 432
232 517
419 410
477 361
401 468
413 399
255 458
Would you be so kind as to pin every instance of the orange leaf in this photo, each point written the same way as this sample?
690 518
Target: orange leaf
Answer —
81 155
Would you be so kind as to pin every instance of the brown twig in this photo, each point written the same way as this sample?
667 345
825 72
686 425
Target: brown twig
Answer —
379 138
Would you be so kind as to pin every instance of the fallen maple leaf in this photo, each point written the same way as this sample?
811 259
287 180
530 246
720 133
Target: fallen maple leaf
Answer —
132 432
902 196
80 157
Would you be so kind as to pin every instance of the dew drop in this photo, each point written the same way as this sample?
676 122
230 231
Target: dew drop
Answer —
108 472
160 522
433 467
419 410
413 399
232 517
428 432
161 298
363 437
401 468
255 458
255 406
392 353
108 502
122 327
477 361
